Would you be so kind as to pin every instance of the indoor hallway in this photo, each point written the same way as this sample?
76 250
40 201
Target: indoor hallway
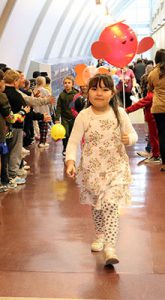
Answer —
45 236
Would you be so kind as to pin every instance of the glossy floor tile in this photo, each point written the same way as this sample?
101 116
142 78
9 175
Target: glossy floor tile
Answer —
45 235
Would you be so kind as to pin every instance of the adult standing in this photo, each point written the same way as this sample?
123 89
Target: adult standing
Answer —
127 78
156 82
139 70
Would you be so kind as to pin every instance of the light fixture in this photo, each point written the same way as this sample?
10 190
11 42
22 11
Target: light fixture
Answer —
98 1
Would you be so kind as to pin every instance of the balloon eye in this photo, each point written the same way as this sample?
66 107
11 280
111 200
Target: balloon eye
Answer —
124 42
131 39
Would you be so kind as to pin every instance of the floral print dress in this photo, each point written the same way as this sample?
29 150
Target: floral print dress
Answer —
104 170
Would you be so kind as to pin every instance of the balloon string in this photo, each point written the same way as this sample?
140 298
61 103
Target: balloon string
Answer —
123 88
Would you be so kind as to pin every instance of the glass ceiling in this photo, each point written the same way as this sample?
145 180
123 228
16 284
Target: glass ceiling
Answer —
136 13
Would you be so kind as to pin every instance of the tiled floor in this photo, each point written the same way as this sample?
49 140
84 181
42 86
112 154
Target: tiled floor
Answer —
45 236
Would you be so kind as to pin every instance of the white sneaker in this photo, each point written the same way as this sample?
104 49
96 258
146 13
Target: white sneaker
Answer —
46 145
3 188
153 160
25 151
22 172
26 167
110 256
97 245
144 154
12 184
20 180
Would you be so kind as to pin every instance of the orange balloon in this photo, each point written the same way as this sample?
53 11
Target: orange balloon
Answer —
79 68
89 72
79 80
79 71
103 70
113 71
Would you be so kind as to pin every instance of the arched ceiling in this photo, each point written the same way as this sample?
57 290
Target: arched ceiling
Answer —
117 6
48 29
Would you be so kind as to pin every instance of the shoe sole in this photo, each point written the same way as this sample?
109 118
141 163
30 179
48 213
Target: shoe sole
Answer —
111 261
4 190
145 156
153 162
20 183
98 250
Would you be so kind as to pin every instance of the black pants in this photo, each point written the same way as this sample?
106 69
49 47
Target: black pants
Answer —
68 124
29 131
160 122
4 168
128 101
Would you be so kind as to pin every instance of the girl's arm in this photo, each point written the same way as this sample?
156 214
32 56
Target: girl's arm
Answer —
128 134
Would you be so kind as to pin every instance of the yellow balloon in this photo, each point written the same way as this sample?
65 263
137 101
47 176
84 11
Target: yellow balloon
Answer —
58 132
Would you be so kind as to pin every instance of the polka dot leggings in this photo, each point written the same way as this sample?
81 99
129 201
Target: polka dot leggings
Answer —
107 222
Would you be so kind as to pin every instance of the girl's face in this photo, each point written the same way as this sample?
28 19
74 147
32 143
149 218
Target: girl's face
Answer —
100 97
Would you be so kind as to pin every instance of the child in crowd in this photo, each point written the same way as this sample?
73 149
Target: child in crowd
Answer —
146 103
127 76
104 172
44 109
79 101
6 117
63 109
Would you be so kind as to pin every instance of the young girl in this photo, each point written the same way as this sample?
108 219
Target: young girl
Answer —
104 172
44 109
146 103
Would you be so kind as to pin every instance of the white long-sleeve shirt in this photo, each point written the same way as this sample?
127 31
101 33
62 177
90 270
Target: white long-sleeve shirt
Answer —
82 122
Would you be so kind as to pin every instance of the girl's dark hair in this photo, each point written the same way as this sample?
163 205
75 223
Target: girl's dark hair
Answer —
108 82
160 59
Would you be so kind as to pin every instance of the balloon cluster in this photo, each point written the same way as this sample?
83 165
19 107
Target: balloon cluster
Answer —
84 73
118 45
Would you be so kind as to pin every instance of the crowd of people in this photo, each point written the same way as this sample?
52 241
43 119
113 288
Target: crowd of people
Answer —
17 99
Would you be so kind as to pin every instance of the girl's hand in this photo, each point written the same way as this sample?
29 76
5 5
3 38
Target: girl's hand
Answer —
70 169
125 139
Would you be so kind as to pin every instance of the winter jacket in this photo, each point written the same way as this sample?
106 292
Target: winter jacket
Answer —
5 110
63 108
157 85
16 101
